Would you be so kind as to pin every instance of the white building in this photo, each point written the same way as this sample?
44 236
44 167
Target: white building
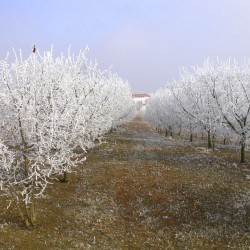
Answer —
141 100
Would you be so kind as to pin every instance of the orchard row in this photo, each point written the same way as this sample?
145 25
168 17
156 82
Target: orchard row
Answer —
214 98
52 110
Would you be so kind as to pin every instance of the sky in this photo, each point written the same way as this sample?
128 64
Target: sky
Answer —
145 41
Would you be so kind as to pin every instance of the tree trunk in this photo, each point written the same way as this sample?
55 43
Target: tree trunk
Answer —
32 205
26 165
191 137
171 133
225 141
179 133
213 141
26 222
209 141
32 214
243 152
166 133
65 176
19 209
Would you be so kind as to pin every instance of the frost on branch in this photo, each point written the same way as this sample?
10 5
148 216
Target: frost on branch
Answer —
214 98
52 110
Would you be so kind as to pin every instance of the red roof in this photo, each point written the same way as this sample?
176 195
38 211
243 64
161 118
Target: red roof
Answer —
140 95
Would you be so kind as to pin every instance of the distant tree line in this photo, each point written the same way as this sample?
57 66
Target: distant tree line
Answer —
213 98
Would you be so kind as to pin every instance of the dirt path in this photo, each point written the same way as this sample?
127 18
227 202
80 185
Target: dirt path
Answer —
142 191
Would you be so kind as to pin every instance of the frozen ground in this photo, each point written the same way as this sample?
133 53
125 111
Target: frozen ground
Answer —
141 190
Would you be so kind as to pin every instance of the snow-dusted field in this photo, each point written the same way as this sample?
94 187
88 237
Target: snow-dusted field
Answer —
141 190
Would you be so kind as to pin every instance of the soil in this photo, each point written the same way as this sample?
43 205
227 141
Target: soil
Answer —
141 190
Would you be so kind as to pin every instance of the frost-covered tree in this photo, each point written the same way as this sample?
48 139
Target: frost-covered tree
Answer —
192 94
162 112
214 97
38 127
232 95
49 109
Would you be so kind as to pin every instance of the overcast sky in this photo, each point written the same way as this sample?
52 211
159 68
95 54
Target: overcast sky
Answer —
146 41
